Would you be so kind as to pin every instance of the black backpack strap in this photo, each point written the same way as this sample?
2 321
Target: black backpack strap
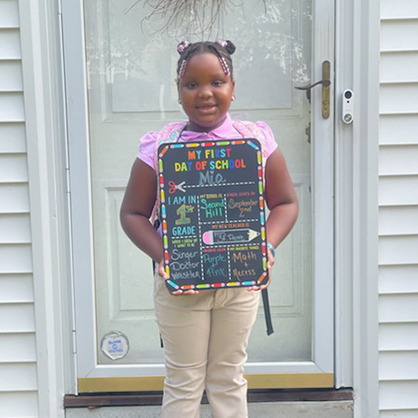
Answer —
267 313
157 224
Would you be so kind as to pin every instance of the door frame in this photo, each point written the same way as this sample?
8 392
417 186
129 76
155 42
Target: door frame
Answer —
46 121
91 376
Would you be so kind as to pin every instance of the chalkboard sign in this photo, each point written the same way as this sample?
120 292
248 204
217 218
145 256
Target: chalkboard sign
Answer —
212 212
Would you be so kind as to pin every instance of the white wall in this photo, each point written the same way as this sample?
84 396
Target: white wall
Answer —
398 210
18 374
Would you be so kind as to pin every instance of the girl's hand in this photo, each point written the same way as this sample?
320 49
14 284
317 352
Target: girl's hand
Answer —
163 274
270 263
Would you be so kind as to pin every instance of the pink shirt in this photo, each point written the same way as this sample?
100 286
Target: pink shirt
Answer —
147 143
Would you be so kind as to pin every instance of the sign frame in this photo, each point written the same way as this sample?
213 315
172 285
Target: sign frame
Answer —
212 210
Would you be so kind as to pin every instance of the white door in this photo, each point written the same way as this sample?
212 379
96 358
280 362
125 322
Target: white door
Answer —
120 84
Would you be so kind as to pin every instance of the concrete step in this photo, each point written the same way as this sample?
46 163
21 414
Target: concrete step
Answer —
334 409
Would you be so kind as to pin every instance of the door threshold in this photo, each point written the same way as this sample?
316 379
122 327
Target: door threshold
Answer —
254 396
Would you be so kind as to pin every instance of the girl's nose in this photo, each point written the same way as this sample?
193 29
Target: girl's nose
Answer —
205 91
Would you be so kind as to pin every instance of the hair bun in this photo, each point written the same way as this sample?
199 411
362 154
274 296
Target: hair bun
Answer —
227 45
230 47
182 46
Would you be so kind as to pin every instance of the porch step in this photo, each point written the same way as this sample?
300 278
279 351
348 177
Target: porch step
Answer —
326 409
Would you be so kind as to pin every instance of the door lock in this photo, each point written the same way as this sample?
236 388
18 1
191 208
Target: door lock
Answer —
326 82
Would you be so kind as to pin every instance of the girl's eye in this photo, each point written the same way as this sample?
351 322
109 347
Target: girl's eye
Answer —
191 85
218 83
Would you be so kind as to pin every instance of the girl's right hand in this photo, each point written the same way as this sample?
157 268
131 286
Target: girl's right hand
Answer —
163 274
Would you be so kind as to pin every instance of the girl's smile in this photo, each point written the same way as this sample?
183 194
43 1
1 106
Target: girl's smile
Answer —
205 92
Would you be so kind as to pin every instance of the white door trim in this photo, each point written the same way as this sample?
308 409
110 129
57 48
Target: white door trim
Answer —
356 206
79 165
45 133
343 200
366 59
322 174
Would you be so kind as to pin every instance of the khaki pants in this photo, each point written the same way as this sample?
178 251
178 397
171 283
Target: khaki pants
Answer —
205 339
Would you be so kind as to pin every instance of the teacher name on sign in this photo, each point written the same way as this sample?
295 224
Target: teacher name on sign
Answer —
210 159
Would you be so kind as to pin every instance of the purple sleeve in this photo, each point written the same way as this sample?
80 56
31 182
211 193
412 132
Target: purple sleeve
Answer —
271 144
147 148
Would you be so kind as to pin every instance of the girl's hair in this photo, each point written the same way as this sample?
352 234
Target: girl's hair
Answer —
222 49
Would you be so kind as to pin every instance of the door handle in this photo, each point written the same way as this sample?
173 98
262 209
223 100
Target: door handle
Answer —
326 82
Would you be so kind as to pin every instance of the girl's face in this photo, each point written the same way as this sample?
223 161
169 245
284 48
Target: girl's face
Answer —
205 92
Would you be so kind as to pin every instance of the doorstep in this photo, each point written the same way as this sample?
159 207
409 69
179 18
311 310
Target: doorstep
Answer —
321 409
274 403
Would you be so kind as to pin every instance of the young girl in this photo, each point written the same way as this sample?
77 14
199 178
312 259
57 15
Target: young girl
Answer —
205 333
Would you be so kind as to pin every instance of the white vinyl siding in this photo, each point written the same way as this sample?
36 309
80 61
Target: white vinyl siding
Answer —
18 374
398 210
18 404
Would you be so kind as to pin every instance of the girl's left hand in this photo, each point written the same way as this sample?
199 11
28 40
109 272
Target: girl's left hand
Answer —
163 274
270 263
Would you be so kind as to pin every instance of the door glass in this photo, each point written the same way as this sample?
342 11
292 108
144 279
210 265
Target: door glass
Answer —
131 90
